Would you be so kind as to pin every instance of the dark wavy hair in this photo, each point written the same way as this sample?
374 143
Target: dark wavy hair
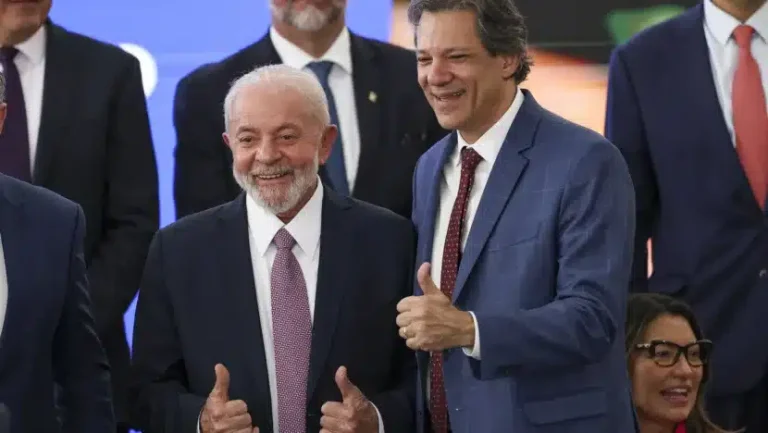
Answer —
642 310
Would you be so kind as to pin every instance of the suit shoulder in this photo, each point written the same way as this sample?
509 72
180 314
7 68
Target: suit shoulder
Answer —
220 74
376 216
393 52
104 52
43 202
195 222
652 41
581 141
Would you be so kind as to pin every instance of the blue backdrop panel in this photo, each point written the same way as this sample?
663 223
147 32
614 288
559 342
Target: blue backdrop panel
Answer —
172 37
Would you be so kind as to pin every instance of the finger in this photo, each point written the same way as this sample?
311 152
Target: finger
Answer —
335 425
334 409
404 319
235 423
235 408
425 280
406 304
349 391
413 344
221 387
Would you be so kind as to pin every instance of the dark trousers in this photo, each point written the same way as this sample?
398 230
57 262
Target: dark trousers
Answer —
748 410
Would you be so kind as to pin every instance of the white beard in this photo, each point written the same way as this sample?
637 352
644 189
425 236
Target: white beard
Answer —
310 19
274 199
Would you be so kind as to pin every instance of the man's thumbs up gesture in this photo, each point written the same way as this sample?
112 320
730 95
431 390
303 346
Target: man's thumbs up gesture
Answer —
355 414
430 321
220 415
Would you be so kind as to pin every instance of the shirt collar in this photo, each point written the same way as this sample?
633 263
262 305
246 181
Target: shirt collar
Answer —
340 52
721 24
304 227
489 144
34 47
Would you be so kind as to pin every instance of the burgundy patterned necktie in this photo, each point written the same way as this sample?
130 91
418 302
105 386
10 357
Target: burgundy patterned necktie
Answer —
438 405
14 140
292 331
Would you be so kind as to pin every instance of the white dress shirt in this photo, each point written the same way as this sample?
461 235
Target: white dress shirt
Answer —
487 146
30 61
724 53
340 82
263 225
3 287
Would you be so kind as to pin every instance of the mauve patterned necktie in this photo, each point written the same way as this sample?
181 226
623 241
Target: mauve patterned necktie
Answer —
292 332
750 118
438 404
14 140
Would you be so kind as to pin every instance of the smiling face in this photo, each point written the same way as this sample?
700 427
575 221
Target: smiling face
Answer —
307 15
277 144
467 87
666 395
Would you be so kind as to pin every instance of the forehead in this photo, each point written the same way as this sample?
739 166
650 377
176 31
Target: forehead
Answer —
265 106
670 328
440 31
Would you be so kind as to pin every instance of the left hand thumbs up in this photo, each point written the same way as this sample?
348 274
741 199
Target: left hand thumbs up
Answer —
355 414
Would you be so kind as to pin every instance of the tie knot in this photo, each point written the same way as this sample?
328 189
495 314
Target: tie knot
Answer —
322 69
8 53
470 159
743 36
283 240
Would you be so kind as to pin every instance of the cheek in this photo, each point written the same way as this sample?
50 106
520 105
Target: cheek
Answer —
242 159
645 387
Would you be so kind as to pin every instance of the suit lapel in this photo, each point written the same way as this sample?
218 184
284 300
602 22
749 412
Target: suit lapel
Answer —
59 85
368 100
432 203
17 254
506 171
236 278
706 116
337 261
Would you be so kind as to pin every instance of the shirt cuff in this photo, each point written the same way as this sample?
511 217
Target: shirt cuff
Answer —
475 352
378 414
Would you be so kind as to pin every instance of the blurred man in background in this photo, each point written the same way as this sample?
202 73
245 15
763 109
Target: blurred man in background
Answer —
687 108
384 121
77 124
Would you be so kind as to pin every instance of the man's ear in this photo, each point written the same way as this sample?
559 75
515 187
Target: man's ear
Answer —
326 143
509 65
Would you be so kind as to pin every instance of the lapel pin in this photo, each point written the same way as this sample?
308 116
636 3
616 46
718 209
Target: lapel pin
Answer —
372 96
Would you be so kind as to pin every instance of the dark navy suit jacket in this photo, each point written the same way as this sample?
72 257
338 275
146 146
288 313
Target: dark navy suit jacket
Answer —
48 334
710 237
198 307
545 269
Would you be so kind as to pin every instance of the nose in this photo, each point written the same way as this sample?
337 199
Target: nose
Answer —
267 152
439 73
683 368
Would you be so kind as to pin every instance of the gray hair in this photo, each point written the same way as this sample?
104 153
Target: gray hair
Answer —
2 86
285 77
500 26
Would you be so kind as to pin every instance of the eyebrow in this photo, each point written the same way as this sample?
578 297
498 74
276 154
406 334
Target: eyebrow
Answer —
447 51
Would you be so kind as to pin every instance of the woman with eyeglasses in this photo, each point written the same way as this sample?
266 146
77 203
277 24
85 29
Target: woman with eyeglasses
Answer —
667 360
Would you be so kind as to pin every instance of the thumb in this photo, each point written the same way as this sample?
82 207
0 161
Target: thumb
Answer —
425 280
221 387
255 430
347 388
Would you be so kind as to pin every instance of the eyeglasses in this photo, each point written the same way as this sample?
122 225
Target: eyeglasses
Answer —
666 353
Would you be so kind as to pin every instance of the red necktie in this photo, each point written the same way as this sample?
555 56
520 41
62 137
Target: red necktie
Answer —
438 406
750 119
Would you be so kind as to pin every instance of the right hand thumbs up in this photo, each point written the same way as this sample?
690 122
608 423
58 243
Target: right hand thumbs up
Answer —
220 391
220 415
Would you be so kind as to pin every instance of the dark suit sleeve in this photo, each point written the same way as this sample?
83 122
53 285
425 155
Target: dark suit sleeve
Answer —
396 405
79 363
160 401
203 174
624 128
596 224
131 207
